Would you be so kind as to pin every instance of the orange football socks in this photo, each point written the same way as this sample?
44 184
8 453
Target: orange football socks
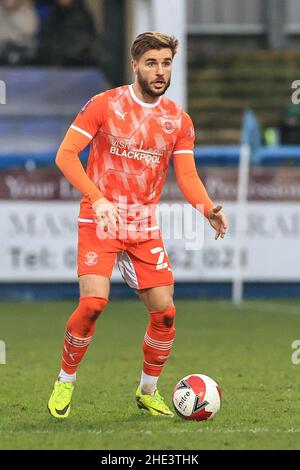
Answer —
157 345
79 333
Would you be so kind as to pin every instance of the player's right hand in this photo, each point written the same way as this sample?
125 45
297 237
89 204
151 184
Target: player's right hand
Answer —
107 214
218 221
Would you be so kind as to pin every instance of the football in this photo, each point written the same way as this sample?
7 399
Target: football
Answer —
197 397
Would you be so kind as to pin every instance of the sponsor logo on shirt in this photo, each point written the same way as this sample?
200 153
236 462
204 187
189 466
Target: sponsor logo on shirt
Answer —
129 150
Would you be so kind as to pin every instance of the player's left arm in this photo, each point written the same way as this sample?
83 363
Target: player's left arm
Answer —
189 181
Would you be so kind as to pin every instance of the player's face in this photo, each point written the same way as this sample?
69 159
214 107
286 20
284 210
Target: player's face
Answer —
153 71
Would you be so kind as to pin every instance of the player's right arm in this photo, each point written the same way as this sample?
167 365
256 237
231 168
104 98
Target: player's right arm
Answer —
78 137
189 181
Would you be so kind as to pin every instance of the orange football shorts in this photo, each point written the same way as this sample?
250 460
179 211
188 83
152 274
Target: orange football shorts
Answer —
143 262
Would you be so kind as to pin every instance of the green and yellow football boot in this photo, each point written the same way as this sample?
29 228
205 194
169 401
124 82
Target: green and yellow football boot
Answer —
154 404
59 404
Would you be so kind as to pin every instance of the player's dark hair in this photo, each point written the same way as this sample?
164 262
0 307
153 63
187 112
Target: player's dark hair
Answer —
152 40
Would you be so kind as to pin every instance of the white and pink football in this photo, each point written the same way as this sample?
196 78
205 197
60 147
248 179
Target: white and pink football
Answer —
197 397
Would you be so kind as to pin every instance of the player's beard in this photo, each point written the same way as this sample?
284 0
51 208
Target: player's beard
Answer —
146 90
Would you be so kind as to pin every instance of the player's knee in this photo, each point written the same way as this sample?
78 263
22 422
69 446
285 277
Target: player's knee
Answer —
92 307
83 321
168 320
169 316
164 303
164 319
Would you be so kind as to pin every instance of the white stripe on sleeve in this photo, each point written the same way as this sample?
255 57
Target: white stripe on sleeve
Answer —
81 131
177 152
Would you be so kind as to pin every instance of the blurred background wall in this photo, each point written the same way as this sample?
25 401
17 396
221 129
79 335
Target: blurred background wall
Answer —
234 55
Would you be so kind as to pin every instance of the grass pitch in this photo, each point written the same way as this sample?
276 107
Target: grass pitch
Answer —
247 350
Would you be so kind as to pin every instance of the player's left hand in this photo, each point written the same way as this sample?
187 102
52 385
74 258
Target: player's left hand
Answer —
218 221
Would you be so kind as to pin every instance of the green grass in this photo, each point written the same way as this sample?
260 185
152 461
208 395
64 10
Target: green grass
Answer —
246 350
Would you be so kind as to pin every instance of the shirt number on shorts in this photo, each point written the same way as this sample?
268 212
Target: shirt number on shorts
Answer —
160 262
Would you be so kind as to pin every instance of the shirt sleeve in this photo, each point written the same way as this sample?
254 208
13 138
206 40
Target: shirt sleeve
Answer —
186 139
89 119
68 161
81 132
190 183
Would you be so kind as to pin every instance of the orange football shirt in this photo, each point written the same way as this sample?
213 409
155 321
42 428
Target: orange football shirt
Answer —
131 146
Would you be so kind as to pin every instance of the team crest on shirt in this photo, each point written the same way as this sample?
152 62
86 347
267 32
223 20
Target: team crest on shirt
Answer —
91 258
168 127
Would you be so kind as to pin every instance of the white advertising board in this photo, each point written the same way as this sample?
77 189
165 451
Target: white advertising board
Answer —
38 243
